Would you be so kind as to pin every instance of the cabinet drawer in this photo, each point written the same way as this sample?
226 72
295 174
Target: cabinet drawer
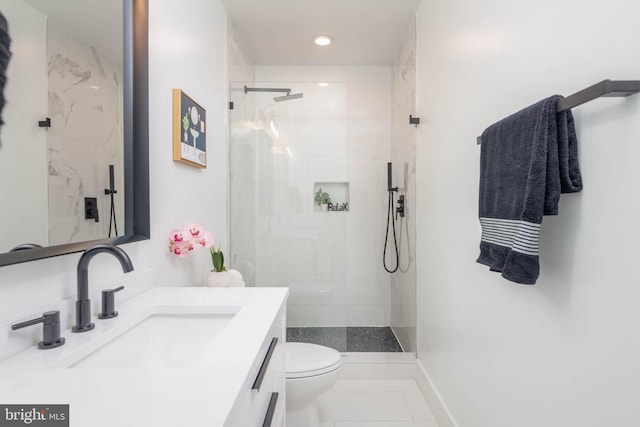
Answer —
263 401
265 364
271 411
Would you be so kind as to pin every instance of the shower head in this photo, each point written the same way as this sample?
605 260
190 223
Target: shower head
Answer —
287 97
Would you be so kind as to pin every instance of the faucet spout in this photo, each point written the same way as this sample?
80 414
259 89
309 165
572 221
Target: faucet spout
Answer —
83 303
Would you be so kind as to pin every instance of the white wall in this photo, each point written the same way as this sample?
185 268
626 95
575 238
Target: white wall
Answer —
190 57
565 351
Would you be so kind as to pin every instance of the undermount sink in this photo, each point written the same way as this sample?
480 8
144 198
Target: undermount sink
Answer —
161 340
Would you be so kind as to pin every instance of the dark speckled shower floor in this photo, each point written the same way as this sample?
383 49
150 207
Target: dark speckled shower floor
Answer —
351 339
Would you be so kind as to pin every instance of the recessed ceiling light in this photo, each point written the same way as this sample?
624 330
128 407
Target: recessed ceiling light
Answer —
323 84
322 40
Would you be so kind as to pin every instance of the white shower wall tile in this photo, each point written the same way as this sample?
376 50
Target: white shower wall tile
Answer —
363 261
300 258
279 171
368 165
361 227
361 291
332 228
315 291
331 263
368 102
328 167
305 315
365 197
368 315
318 103
281 199
319 136
298 199
334 101
329 229
368 134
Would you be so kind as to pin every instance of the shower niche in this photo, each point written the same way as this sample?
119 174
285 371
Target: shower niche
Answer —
337 192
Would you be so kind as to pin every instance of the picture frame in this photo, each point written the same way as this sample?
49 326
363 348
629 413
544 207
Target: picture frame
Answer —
189 131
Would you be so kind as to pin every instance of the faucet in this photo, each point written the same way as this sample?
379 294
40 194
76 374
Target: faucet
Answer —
83 304
24 246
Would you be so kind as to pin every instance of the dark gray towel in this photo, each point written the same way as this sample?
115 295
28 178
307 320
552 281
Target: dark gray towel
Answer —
5 54
526 161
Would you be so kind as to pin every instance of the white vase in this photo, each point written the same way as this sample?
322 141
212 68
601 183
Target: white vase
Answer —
324 207
228 278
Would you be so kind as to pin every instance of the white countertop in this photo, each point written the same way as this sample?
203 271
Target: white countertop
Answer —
203 394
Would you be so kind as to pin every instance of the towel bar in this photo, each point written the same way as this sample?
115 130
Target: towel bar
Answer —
605 88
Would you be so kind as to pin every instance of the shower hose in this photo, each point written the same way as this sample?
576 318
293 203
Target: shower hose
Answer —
390 221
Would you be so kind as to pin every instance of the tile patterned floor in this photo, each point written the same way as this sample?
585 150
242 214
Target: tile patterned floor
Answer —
349 339
375 403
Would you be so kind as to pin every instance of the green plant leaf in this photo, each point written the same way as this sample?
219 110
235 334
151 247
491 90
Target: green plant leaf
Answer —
322 197
217 258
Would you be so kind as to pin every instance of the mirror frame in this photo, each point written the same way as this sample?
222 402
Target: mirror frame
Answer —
135 73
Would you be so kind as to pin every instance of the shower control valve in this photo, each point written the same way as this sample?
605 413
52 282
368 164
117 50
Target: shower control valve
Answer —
400 207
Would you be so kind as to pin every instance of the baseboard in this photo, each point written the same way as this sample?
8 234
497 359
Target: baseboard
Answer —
439 408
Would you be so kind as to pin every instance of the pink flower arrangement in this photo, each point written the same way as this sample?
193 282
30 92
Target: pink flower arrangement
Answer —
190 238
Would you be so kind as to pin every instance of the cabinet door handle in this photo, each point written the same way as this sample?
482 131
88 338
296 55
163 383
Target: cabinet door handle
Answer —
271 410
265 364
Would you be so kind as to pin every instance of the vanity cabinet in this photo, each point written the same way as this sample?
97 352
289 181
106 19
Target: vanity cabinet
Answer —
181 356
262 403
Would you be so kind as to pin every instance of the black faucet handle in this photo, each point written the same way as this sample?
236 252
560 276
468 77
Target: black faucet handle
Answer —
50 329
109 303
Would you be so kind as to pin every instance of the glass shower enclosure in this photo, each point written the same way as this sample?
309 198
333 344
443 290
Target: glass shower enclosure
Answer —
284 152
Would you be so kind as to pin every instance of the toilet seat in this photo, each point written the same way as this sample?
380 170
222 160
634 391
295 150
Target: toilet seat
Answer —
303 360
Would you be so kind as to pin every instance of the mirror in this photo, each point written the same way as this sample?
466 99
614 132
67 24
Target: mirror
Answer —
69 161
63 132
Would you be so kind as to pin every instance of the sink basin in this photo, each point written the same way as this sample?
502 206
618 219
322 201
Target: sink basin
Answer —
162 340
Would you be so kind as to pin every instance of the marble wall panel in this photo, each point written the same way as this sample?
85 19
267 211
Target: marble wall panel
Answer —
86 136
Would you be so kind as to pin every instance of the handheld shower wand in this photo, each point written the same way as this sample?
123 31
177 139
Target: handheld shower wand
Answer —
110 192
390 219
389 174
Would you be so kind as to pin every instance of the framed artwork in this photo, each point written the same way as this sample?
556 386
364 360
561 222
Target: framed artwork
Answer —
189 131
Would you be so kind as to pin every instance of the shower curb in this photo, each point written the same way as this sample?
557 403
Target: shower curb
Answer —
372 365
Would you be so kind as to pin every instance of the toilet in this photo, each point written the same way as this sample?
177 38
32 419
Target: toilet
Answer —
311 370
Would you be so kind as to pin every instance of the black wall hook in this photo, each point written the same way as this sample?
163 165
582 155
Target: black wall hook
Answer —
414 120
46 123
